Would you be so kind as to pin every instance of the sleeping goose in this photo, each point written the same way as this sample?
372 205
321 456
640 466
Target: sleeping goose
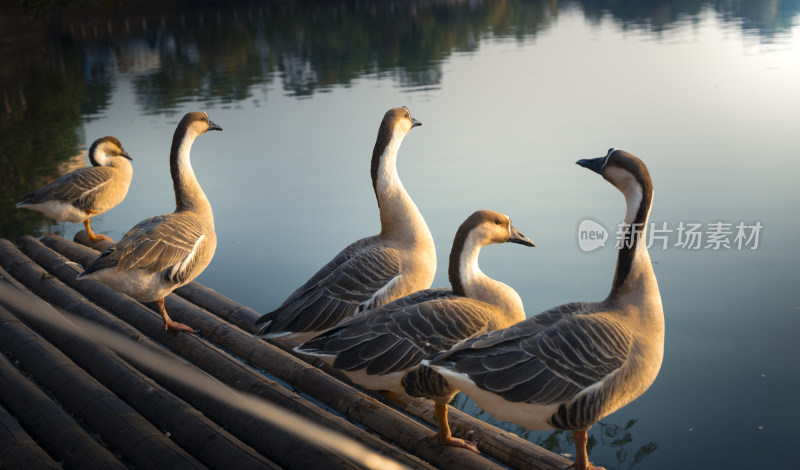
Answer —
568 367
382 349
372 271
86 192
162 253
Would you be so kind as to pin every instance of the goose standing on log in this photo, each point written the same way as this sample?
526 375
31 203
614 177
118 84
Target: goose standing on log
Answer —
568 367
86 192
383 348
162 253
372 271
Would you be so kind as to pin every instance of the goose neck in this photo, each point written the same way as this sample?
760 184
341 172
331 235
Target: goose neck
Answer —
468 280
189 196
634 271
399 216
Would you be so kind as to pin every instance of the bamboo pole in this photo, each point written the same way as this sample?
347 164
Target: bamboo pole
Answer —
362 408
17 448
281 447
118 424
187 427
504 446
19 451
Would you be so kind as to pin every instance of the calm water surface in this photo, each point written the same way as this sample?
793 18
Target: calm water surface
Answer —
510 94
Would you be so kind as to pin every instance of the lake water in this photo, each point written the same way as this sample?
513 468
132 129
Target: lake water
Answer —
510 95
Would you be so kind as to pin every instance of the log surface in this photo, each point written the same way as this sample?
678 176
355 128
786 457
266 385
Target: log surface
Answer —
125 411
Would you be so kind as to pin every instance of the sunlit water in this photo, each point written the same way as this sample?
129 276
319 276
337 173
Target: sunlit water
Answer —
510 96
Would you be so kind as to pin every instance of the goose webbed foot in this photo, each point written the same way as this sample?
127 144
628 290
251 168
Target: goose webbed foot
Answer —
170 325
444 435
456 442
97 237
94 237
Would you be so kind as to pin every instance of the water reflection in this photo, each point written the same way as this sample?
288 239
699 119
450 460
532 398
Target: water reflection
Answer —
64 71
65 62
616 436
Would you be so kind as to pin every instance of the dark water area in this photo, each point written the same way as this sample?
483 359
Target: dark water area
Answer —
511 94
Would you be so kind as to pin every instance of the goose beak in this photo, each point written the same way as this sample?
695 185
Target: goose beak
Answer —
415 123
212 126
517 237
125 154
594 164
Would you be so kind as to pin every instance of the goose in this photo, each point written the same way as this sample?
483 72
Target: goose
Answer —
570 366
162 253
86 192
372 271
383 348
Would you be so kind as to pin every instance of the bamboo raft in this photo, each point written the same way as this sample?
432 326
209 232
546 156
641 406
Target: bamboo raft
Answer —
67 401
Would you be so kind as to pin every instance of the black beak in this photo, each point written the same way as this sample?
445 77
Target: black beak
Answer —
212 126
125 154
517 237
415 123
594 164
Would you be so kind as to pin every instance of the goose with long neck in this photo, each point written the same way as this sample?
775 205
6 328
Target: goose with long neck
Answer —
372 271
383 348
86 192
163 253
570 366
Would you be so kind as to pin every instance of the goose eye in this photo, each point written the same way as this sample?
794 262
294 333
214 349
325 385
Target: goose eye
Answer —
497 221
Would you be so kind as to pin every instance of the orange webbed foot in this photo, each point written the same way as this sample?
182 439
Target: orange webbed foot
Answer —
456 442
97 237
179 327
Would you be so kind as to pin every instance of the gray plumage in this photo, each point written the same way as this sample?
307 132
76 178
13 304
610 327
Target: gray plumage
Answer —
86 192
162 253
374 270
383 348
570 366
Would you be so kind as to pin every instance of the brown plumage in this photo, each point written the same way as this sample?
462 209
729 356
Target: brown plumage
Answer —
374 270
86 192
165 252
568 367
383 348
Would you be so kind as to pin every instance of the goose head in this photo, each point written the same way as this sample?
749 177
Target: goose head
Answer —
622 169
399 120
488 227
105 148
197 123
396 124
480 229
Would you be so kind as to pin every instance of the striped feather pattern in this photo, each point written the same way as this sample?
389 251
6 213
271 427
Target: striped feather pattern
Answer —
336 291
397 336
547 359
79 187
158 244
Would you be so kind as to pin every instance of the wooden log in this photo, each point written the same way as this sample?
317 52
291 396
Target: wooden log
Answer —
504 446
82 238
362 408
120 426
223 307
285 449
17 448
188 428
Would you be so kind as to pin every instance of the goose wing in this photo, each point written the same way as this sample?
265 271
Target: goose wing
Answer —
79 187
172 242
400 334
363 273
546 359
